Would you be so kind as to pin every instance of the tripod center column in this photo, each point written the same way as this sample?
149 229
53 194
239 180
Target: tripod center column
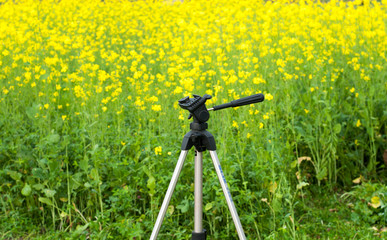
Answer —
198 221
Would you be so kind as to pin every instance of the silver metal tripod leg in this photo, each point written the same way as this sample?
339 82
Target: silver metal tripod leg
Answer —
227 195
168 195
198 220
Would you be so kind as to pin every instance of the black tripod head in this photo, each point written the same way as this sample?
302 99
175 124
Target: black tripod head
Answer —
197 107
198 110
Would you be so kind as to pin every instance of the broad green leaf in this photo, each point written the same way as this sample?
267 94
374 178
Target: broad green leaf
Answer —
146 171
46 201
38 173
337 128
184 206
14 175
94 174
84 164
302 184
53 164
53 138
294 164
63 214
38 186
75 181
80 229
26 191
42 163
208 206
151 184
32 111
49 193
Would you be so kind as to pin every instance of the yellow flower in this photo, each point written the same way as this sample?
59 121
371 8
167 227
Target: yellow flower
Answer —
306 111
156 108
64 117
260 125
46 106
269 97
248 135
235 124
5 52
352 90
158 150
358 123
178 90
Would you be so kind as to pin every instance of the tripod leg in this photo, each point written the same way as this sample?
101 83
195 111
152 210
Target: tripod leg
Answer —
227 195
198 233
168 195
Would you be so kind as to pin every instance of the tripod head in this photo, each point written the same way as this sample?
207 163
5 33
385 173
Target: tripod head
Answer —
197 107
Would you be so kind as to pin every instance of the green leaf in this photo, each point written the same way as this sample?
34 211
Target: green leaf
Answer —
208 206
84 164
302 184
322 174
94 174
38 173
49 193
38 186
53 138
337 128
46 201
294 164
75 181
14 175
151 185
32 111
184 206
53 164
26 191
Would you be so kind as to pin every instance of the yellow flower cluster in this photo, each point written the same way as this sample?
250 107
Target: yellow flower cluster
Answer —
107 55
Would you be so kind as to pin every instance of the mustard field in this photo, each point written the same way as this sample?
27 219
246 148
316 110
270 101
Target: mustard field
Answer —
91 128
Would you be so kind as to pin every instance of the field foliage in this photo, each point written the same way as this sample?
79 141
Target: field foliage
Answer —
91 129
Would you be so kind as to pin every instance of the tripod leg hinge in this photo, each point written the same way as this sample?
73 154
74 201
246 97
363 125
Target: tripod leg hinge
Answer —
199 236
202 140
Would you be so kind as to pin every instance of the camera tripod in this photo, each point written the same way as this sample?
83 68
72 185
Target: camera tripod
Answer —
202 140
